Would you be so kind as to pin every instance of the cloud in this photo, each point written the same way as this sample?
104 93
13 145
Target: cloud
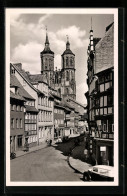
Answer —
57 61
27 41
29 55
76 36
43 18
80 90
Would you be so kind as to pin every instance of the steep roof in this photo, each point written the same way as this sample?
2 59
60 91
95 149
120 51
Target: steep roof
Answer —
37 78
16 96
104 50
22 92
25 76
68 51
30 108
47 50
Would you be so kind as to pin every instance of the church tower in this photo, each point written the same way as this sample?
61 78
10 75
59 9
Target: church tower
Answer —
68 72
47 61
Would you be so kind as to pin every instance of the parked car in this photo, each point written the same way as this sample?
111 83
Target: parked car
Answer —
99 173
59 140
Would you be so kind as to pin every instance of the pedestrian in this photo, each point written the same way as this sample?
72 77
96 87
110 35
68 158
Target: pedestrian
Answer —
50 142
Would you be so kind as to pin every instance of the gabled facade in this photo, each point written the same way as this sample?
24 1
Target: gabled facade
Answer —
100 96
38 88
17 114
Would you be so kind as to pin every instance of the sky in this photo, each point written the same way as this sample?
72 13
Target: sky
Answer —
27 38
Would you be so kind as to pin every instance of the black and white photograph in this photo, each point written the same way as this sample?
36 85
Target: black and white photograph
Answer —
62 97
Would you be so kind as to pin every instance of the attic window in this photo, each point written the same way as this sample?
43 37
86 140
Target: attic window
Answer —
12 71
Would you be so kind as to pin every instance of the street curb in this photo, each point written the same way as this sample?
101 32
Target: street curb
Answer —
76 170
68 160
29 152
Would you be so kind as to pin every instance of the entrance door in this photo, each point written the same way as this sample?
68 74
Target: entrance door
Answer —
103 156
19 141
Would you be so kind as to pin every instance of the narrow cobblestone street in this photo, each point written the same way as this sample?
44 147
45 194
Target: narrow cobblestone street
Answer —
46 164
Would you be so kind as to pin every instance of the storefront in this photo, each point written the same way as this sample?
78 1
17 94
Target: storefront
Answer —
104 152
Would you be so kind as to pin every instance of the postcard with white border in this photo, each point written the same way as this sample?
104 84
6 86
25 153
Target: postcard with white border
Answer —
61 123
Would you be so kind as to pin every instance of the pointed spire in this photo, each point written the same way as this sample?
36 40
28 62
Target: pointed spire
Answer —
91 22
67 44
47 40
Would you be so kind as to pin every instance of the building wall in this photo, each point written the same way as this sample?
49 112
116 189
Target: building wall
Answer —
58 122
100 99
31 128
16 131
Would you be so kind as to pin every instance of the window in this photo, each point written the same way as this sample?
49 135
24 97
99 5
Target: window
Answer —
105 100
110 110
67 76
110 100
67 61
104 127
107 85
12 123
17 108
67 91
17 124
12 107
101 111
105 110
21 108
39 116
107 77
21 123
112 127
101 101
101 79
101 87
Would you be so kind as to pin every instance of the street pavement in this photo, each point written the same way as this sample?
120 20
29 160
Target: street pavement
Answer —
46 164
